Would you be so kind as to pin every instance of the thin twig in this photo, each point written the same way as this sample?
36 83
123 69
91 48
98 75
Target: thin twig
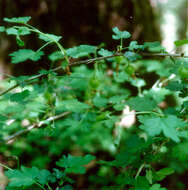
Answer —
88 61
56 69
164 55
37 125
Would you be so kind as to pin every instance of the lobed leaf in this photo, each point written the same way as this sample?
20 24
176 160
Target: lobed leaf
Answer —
22 20
18 31
168 125
81 51
142 103
49 37
25 54
120 34
27 176
75 164
74 105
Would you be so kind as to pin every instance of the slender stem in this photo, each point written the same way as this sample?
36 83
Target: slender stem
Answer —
4 166
164 55
40 185
63 51
46 44
121 44
41 123
7 75
148 112
139 91
49 186
88 61
139 170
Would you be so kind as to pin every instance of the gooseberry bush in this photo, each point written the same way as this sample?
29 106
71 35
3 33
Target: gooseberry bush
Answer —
97 118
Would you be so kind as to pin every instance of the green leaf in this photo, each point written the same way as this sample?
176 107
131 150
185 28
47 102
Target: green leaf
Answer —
120 34
181 42
161 174
131 56
105 52
154 46
156 187
100 101
141 183
174 86
142 103
75 164
118 99
81 51
11 31
134 46
138 82
22 20
74 105
43 176
168 125
27 176
121 77
25 54
19 41
56 56
18 31
49 37
2 28
149 176
20 96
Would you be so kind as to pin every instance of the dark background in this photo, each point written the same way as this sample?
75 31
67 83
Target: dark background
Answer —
79 22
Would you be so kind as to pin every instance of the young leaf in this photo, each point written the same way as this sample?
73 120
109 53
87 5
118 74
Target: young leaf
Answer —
161 174
20 96
25 54
19 41
100 101
156 187
74 105
120 34
154 46
131 56
142 103
20 31
134 46
22 20
49 37
118 99
174 86
181 42
81 51
27 176
105 52
75 164
56 56
168 125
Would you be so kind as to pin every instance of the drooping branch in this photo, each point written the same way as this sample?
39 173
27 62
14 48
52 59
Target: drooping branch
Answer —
88 61
36 125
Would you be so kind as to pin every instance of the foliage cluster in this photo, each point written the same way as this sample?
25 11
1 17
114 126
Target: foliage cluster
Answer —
63 128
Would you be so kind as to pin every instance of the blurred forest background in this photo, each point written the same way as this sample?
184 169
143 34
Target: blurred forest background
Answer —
90 22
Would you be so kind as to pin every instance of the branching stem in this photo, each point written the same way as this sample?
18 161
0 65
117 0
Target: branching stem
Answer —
37 125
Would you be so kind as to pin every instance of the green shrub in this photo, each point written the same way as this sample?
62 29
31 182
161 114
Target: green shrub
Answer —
97 119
